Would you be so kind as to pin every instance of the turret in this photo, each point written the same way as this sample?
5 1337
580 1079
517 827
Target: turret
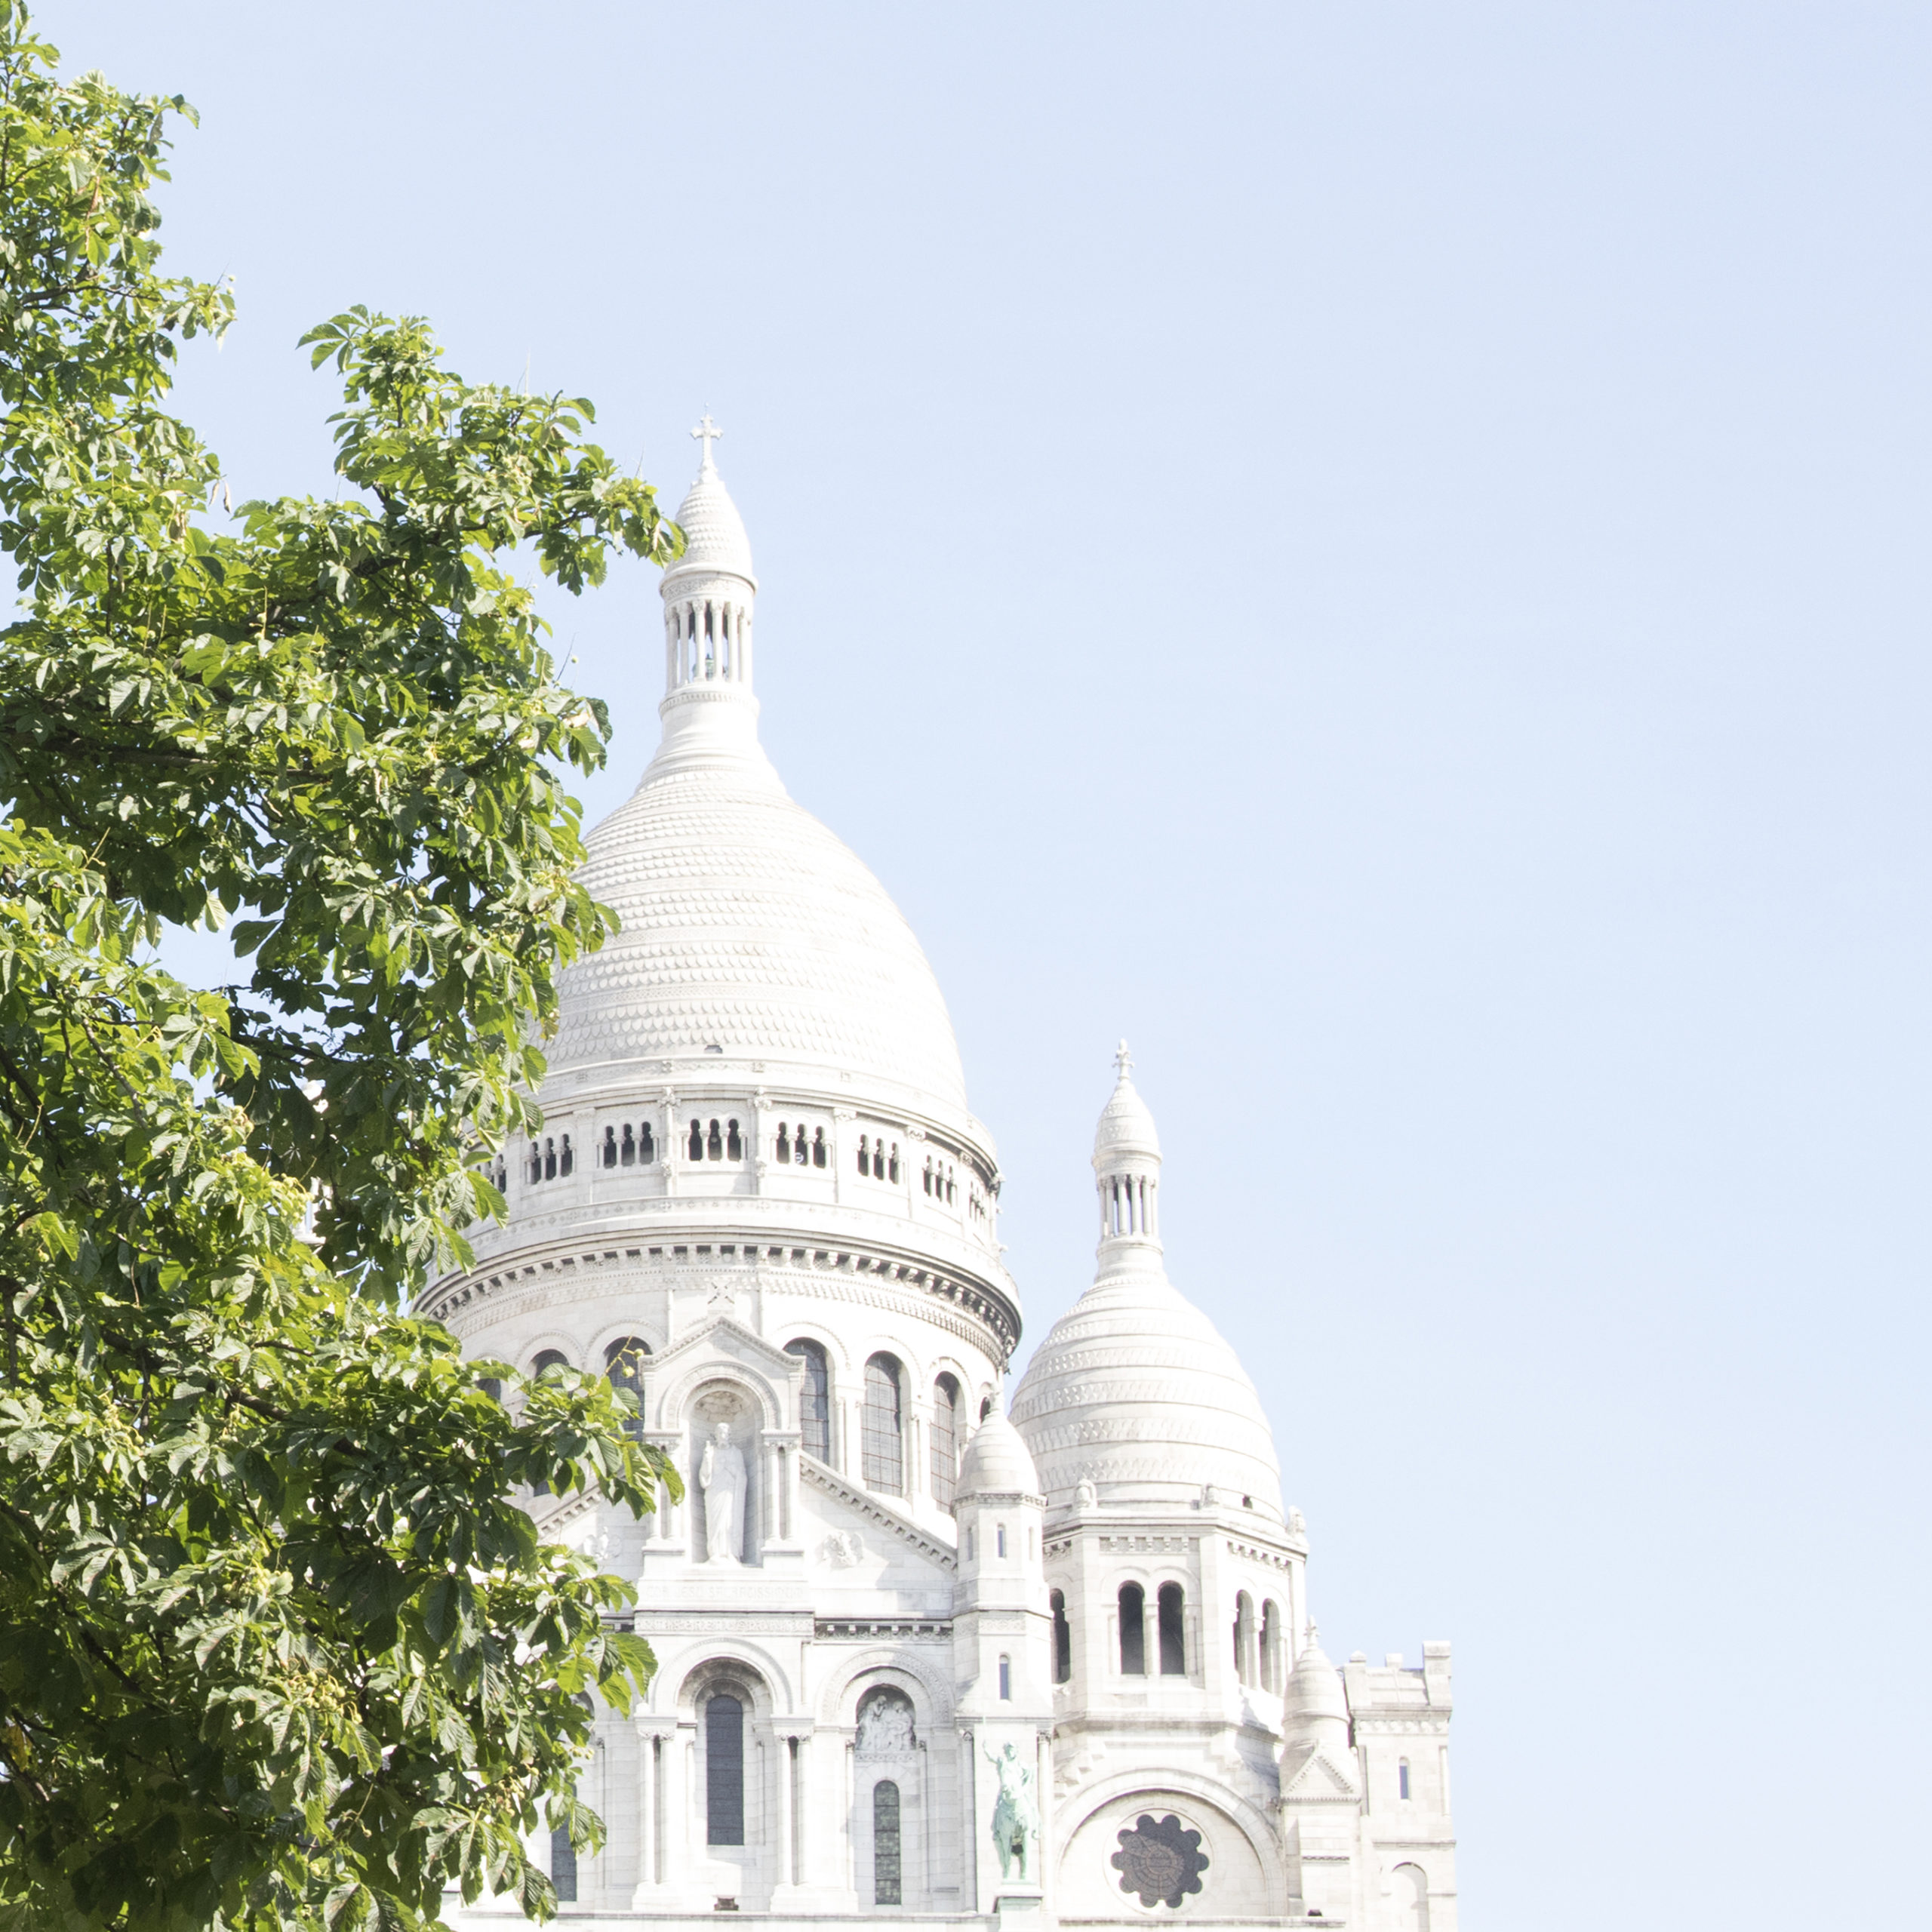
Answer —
1002 1658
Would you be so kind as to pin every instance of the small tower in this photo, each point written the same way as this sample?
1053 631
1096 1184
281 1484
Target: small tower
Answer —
709 594
1127 1172
1002 1659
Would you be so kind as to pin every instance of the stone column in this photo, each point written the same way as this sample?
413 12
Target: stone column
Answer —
647 1812
787 1783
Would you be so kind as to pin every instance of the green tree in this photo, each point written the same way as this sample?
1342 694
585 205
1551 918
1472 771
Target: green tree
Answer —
277 1644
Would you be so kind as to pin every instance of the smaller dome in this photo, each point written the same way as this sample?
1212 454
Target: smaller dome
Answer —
996 1463
1127 1123
1314 1695
714 537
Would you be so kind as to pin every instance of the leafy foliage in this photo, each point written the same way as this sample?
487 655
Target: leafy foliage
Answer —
278 1644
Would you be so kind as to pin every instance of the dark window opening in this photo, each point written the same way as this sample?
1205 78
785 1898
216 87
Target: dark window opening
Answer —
1006 1679
549 1358
623 1369
564 1162
1173 1640
549 1160
627 1153
784 1143
1402 1779
563 1866
1133 1631
945 1441
610 1145
734 1146
697 1141
724 1771
892 1165
864 1155
714 1146
815 1402
1062 1640
885 1843
881 1457
818 1147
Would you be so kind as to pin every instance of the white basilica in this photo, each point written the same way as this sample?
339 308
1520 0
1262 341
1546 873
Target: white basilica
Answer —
926 1650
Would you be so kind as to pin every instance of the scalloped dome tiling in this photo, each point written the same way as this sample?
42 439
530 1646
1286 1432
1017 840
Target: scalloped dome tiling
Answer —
1136 1392
747 925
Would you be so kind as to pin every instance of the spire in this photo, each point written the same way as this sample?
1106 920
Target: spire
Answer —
709 594
1126 1170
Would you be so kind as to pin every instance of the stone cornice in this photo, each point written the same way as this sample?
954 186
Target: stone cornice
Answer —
985 1316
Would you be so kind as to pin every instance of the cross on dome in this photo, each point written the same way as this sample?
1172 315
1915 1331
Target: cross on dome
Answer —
707 433
1123 1061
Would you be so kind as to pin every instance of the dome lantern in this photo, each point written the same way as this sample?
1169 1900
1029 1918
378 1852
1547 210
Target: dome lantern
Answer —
1127 1172
709 595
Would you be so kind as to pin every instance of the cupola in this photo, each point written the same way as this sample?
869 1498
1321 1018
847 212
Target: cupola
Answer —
1134 1399
1127 1172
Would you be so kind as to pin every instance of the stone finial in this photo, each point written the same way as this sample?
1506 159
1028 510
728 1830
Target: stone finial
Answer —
707 433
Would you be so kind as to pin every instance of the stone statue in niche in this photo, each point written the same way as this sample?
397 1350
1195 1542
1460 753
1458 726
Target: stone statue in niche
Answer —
885 1725
720 1474
1086 1495
1015 1823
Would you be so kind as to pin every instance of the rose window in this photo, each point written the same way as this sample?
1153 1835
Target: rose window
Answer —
1160 1860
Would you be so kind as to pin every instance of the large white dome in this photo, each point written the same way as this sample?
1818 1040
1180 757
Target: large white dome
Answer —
748 926
1136 1392
747 930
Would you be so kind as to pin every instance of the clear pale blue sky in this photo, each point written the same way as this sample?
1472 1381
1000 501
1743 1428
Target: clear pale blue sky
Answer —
1380 552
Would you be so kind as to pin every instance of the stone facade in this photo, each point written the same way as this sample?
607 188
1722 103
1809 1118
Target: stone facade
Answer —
916 1659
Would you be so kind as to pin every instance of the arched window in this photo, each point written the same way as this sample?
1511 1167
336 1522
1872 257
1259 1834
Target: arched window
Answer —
549 1159
1171 1605
986 1408
818 1147
734 1144
563 1866
1133 1631
564 1162
945 1441
892 1165
1063 1639
610 1145
881 1453
928 1176
697 1148
784 1143
1272 1678
1244 1638
493 1387
549 1358
1410 1886
714 1144
864 1155
885 1843
724 1770
647 1142
623 1369
815 1401
1006 1679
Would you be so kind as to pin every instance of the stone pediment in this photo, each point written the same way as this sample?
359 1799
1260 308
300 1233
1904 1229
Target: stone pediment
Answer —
873 1516
1313 1777
722 1337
